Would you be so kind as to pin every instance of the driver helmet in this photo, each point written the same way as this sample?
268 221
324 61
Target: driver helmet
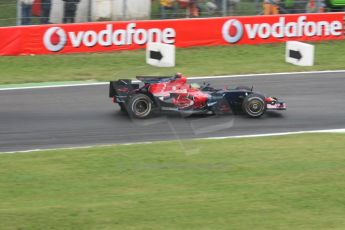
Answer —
178 75
179 78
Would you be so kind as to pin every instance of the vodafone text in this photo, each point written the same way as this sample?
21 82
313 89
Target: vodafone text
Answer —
294 29
281 29
119 37
109 36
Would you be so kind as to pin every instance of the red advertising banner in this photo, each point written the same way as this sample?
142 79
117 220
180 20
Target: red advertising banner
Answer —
112 36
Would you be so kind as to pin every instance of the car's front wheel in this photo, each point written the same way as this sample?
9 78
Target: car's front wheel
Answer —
254 105
140 106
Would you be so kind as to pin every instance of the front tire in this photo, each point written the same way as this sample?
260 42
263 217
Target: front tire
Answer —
254 105
140 106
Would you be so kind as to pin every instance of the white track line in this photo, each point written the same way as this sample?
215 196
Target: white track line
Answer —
268 74
191 78
206 138
277 134
53 86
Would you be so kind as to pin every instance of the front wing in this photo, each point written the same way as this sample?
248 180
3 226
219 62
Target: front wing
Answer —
276 106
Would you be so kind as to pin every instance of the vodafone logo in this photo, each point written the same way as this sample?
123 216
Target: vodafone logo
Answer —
232 31
55 39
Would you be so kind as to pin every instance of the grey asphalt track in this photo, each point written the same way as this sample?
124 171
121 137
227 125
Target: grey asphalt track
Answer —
84 115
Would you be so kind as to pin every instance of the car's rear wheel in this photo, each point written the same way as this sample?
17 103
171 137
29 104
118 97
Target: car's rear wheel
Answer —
140 106
254 105
123 107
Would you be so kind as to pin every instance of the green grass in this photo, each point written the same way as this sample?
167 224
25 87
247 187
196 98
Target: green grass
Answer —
286 182
8 13
192 62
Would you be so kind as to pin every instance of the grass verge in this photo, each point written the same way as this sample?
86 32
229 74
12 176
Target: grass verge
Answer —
8 13
192 62
285 182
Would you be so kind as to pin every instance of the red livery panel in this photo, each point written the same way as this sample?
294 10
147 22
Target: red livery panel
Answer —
130 35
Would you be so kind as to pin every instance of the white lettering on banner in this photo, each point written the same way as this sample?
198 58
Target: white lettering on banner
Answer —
336 28
122 37
119 37
105 37
252 30
90 38
76 38
110 36
277 30
282 29
169 35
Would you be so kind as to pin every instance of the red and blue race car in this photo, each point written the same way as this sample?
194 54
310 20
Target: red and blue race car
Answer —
173 93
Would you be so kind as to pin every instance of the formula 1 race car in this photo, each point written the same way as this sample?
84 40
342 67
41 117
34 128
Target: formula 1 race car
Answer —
173 93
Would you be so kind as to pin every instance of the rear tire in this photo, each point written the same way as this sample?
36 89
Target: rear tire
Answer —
140 106
123 107
254 105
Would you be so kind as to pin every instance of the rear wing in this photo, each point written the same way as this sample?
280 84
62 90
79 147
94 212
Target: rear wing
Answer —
155 79
122 88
